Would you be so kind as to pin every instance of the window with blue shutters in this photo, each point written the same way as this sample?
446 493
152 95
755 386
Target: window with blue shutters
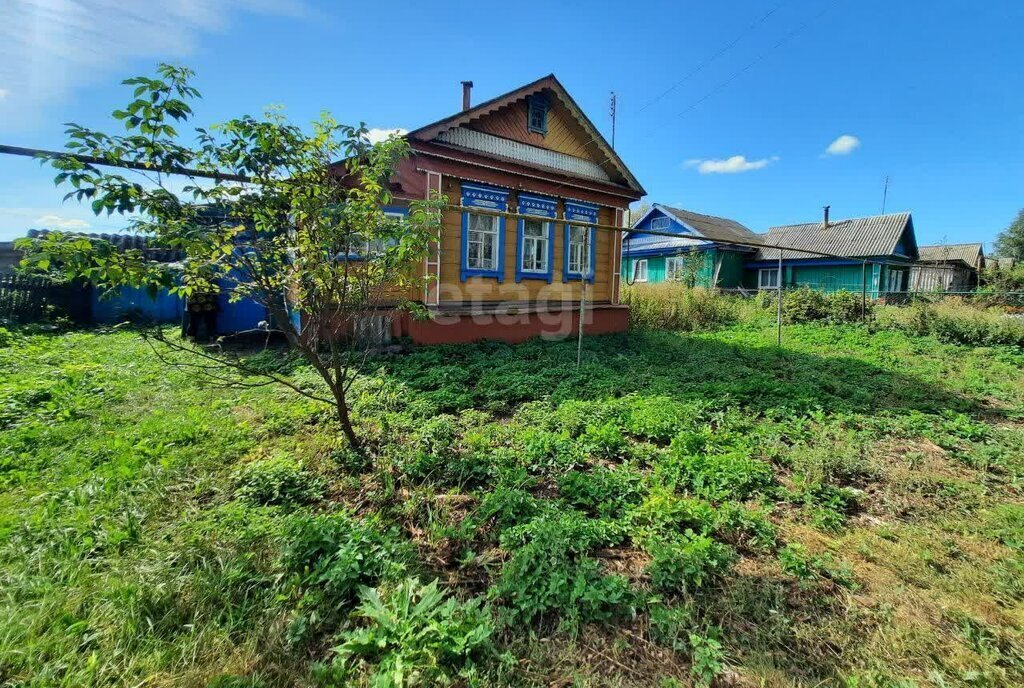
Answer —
483 235
579 239
535 241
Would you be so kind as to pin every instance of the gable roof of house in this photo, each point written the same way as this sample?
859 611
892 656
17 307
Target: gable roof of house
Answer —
437 131
859 237
714 228
967 253
702 230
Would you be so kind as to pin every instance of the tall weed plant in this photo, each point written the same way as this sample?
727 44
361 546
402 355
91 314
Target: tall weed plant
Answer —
675 306
955 321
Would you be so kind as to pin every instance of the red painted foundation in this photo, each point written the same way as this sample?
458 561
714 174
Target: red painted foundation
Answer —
460 326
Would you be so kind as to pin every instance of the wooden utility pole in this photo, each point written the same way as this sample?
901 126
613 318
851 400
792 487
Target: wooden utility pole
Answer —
585 269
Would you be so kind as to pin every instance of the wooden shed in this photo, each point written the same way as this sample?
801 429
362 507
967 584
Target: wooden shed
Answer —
531 151
948 267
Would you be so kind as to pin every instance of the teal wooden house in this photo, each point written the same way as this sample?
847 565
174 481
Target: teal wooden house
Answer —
874 252
703 250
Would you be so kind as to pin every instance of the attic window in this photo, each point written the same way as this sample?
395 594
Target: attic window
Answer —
659 223
537 115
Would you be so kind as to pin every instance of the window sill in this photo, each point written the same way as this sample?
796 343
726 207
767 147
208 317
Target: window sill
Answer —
492 274
542 276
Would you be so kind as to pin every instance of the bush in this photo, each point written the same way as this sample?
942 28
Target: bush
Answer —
673 306
844 307
415 635
804 305
278 480
684 564
955 321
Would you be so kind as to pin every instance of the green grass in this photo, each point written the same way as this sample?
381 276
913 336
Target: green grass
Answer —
842 511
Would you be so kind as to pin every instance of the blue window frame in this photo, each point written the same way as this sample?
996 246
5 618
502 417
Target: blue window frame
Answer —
578 234
537 114
483 236
535 239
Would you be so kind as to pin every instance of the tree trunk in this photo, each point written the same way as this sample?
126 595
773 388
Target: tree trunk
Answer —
346 422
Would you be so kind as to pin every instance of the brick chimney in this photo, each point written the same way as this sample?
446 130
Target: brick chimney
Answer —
467 89
826 216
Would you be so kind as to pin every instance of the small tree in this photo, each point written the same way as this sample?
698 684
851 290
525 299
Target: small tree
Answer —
280 222
1010 241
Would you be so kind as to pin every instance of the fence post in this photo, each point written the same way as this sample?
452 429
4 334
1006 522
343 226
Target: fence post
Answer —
864 292
778 314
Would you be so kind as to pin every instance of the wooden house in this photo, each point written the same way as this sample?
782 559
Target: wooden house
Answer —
705 250
533 152
873 253
950 267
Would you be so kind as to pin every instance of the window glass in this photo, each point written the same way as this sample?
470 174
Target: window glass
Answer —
768 278
660 223
640 270
674 268
537 117
482 242
535 246
579 254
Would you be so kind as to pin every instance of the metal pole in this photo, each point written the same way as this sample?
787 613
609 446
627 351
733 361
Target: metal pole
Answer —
583 292
863 292
778 315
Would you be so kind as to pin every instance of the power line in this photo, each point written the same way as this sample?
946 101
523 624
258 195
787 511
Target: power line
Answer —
714 57
786 39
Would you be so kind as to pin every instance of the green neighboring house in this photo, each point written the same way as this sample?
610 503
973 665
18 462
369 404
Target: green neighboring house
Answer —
700 251
878 250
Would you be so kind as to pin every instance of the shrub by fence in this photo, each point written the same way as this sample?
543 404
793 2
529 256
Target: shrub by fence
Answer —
956 321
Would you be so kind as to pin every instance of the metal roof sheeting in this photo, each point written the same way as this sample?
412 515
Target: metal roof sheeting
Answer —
648 242
713 228
968 253
861 237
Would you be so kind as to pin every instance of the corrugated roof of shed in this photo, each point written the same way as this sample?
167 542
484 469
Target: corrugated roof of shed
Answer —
968 253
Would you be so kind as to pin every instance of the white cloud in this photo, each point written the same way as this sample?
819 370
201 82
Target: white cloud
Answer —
58 222
733 165
378 135
48 47
844 145
3 93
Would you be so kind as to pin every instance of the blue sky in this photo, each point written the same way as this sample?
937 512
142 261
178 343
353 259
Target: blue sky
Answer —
726 108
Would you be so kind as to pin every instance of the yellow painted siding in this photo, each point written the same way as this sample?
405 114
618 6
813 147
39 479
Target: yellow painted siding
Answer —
487 289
